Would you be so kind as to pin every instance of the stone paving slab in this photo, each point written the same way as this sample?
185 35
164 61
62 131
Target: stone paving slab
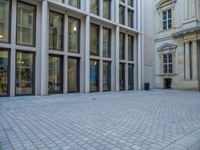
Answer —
139 120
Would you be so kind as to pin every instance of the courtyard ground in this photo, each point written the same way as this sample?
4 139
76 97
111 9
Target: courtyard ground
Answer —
139 120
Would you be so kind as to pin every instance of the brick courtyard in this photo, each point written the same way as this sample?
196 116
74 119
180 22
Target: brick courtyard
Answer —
140 120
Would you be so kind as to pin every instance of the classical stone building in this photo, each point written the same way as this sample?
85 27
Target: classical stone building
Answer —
67 46
177 45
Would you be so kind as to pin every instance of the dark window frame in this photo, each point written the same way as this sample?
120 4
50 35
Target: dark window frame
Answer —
98 35
61 73
78 78
9 69
132 67
62 30
110 76
10 23
34 25
79 35
33 74
98 72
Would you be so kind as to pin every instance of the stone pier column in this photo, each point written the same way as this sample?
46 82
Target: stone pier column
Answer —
187 61
186 9
194 61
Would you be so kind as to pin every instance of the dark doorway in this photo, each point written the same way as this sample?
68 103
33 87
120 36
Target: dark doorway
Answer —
167 83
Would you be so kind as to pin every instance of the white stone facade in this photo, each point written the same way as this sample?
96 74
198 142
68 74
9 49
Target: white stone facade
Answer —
181 41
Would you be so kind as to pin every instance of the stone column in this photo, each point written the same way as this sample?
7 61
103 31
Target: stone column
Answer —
192 8
187 61
194 61
44 49
186 11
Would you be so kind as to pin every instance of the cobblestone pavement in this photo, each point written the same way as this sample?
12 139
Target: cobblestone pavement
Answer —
140 120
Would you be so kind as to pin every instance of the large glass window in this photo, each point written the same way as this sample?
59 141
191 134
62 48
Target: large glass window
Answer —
4 20
73 35
106 42
122 15
130 77
55 83
130 18
74 3
106 76
55 31
73 74
122 76
26 18
94 75
107 9
130 48
167 19
122 46
4 72
25 73
94 40
131 3
62 1
94 6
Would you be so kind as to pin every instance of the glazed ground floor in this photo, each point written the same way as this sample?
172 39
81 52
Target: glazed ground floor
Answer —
178 63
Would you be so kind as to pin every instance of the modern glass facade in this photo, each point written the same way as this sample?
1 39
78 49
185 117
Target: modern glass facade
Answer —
4 72
47 49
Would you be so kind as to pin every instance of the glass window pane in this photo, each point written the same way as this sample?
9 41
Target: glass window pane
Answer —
4 20
164 25
73 75
74 3
94 39
4 72
107 9
106 76
94 75
26 24
73 35
62 1
169 14
24 73
164 15
55 31
122 46
55 74
131 3
121 15
94 6
106 42
130 48
130 18
130 77
122 76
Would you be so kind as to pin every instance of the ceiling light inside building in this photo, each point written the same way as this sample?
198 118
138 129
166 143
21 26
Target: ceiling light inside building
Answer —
75 29
1 36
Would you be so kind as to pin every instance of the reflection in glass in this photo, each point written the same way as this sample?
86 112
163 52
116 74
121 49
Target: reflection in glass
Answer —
55 31
4 72
107 9
130 18
73 35
106 42
122 46
73 74
122 76
131 3
94 75
130 48
74 3
121 15
94 6
26 24
94 39
130 77
55 84
4 20
106 76
24 73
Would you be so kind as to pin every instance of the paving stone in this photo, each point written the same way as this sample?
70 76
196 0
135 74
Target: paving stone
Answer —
139 120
